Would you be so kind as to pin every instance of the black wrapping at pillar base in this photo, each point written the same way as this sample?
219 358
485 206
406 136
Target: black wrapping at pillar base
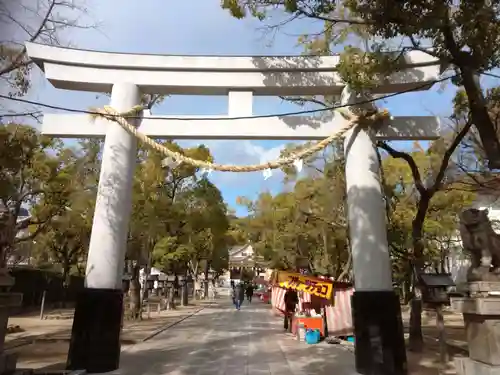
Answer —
379 336
95 338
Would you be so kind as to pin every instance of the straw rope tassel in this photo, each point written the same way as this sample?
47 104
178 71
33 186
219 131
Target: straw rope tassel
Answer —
111 114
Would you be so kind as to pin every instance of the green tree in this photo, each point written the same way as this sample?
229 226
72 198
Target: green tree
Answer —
417 214
158 215
472 158
463 35
63 244
237 233
210 224
383 30
219 262
177 185
36 172
201 244
307 223
426 171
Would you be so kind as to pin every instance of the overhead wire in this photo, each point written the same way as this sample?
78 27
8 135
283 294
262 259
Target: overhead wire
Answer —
491 75
122 118
227 118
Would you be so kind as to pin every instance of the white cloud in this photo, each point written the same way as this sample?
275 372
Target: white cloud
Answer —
243 152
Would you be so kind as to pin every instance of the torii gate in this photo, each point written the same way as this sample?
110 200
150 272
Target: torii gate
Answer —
95 344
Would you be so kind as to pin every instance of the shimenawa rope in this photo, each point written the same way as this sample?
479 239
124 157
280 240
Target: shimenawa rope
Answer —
110 113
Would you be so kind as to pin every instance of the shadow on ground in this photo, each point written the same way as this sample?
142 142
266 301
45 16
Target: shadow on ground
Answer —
49 352
251 341
224 341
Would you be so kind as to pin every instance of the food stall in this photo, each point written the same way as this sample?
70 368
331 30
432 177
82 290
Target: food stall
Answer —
310 314
331 300
309 322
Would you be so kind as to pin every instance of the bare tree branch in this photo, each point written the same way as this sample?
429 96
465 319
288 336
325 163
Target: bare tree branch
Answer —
41 22
334 20
419 184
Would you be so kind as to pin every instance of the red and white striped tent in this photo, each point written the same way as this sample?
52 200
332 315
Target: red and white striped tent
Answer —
338 314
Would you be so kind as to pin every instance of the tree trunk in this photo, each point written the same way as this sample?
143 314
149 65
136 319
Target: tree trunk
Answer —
80 269
65 276
442 264
481 118
184 290
135 294
416 341
205 284
346 268
408 285
477 103
194 273
7 234
171 297
426 194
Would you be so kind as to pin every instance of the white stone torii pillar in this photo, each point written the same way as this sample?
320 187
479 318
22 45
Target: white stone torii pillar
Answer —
112 213
102 297
95 342
378 327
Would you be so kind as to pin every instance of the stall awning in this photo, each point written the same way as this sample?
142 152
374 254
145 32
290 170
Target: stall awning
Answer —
302 283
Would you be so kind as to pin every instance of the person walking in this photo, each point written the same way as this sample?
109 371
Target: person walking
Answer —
233 295
249 292
239 296
291 300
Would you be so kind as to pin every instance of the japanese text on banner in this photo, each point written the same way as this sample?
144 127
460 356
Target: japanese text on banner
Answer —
307 284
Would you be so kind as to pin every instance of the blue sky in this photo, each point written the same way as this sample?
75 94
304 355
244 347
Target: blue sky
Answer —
198 28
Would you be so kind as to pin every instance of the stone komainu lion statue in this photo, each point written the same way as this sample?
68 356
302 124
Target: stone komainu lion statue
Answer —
482 243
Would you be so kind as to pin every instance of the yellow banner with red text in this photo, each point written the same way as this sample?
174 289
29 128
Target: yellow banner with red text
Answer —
302 283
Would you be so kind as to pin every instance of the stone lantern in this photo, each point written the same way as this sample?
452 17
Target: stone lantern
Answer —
8 362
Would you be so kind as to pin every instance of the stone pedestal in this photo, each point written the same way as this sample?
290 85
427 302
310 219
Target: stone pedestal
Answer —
481 313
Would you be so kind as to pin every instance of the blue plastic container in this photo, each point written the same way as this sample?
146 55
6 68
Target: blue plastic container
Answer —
312 336
350 338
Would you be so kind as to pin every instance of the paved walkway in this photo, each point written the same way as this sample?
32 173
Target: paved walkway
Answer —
35 330
222 341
